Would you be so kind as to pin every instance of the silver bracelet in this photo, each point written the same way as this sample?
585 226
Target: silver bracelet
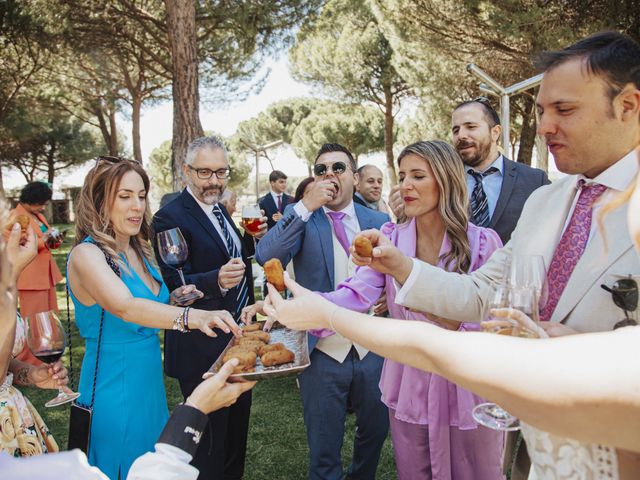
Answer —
331 319
178 322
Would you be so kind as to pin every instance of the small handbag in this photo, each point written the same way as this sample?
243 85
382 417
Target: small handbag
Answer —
81 415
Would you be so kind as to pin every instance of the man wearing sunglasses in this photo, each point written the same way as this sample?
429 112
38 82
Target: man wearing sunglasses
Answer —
316 234
219 265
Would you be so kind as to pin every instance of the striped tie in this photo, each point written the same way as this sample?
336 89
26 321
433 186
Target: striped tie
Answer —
242 297
479 204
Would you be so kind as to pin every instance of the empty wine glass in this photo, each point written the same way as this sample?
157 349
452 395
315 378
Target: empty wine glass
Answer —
174 251
47 341
529 271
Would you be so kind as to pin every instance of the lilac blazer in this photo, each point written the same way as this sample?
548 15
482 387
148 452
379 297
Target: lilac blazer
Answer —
416 396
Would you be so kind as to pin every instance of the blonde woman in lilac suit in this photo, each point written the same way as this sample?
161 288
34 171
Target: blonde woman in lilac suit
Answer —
434 435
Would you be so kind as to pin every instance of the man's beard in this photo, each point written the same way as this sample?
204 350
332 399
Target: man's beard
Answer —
481 154
211 195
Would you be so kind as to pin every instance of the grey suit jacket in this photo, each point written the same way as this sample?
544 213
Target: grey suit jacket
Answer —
518 182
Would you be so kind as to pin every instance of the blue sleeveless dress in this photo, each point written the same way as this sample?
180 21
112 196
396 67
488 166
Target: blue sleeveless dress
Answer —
130 408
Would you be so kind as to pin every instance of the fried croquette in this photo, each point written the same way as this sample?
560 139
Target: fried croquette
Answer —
363 246
277 357
268 348
275 273
259 335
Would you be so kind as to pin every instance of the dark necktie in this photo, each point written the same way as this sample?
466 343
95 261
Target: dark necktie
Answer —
280 203
242 296
571 245
479 204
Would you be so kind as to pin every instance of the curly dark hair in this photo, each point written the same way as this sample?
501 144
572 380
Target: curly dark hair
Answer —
36 193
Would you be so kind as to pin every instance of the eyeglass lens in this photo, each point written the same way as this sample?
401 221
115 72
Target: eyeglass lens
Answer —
320 169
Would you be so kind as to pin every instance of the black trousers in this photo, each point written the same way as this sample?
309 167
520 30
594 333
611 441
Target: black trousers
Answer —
223 446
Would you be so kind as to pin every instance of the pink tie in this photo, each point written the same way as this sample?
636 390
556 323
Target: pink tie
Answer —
338 228
280 203
571 246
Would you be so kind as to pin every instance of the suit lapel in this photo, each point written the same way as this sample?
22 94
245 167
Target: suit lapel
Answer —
595 260
321 224
270 204
193 209
508 181
364 220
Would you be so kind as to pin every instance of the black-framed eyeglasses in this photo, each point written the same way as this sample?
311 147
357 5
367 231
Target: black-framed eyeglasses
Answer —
625 296
320 169
207 173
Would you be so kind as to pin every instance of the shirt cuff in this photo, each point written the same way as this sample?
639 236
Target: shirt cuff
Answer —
403 290
223 291
302 211
184 429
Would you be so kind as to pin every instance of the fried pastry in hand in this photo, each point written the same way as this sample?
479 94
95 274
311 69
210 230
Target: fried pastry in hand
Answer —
254 327
23 220
275 273
363 246
247 360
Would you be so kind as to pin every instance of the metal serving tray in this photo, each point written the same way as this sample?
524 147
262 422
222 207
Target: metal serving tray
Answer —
294 340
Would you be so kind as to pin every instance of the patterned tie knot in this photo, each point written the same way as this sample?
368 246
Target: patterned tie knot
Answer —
337 215
589 193
478 176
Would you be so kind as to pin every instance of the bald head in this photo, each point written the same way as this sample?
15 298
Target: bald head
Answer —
369 183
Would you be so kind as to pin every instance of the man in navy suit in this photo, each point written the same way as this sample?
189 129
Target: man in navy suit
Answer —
316 233
498 187
219 265
274 202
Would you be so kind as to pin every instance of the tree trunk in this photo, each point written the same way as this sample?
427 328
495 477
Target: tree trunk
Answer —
528 132
181 28
388 133
51 163
136 106
113 145
104 128
542 153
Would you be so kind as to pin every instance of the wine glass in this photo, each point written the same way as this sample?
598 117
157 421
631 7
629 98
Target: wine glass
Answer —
47 341
251 222
174 251
529 271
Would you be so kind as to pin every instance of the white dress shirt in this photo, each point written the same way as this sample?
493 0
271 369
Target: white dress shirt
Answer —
350 220
275 196
208 211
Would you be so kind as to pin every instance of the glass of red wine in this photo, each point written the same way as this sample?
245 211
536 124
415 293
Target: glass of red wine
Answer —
47 341
174 251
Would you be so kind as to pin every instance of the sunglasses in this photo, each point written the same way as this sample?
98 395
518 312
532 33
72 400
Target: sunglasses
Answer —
113 159
625 296
320 169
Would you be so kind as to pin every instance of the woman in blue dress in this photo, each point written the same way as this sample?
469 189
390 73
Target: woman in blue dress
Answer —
130 407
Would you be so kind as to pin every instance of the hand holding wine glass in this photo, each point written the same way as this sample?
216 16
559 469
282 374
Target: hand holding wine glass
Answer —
46 340
254 221
174 251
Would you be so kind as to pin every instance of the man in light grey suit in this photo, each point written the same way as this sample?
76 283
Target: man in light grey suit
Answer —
316 233
589 109
498 187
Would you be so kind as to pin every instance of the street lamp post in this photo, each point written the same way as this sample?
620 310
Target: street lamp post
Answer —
492 87
257 150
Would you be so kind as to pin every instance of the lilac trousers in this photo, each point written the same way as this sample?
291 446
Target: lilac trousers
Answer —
469 455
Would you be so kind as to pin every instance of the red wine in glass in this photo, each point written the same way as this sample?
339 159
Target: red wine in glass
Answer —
47 341
174 251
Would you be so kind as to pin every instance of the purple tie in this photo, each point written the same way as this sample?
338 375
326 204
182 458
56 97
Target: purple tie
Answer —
338 228
280 203
571 245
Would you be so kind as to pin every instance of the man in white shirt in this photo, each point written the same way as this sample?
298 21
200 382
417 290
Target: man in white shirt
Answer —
316 233
274 202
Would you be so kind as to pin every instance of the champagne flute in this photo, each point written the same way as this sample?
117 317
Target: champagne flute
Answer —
174 251
47 341
251 222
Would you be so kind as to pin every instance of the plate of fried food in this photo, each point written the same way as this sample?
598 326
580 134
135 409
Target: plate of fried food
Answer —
279 353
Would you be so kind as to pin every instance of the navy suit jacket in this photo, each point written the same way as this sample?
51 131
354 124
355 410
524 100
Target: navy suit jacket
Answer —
188 355
518 182
267 204
310 246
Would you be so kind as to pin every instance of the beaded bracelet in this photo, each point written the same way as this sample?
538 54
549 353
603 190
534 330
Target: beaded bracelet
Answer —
185 319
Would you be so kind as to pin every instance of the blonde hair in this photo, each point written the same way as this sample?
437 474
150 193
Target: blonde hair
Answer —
93 207
453 206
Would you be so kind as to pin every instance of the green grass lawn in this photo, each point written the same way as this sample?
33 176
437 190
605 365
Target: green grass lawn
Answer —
277 439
